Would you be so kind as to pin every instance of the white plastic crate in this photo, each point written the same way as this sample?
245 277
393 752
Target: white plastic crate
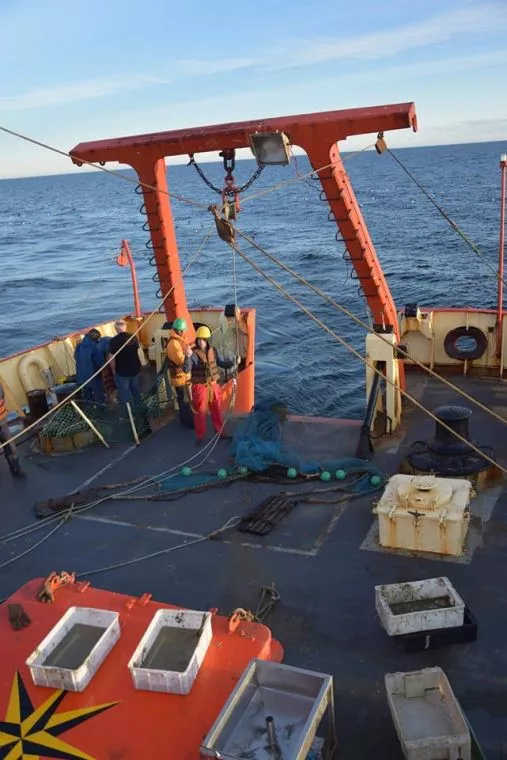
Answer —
153 676
442 506
427 716
76 641
419 620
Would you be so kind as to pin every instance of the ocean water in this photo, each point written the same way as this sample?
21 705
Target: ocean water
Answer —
59 237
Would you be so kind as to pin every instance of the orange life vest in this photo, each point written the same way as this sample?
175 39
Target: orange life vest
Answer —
176 372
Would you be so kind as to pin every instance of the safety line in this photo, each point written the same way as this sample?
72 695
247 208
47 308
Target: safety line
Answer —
367 327
447 218
113 172
302 177
112 357
356 353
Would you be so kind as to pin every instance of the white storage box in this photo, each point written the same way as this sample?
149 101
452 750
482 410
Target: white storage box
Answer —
427 716
419 606
75 648
424 513
171 651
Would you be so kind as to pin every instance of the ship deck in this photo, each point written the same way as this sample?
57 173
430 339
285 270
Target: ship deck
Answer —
321 557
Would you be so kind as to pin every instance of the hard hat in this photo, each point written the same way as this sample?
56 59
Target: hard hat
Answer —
179 324
203 332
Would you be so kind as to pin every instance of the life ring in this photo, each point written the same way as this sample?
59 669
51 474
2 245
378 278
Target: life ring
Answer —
474 334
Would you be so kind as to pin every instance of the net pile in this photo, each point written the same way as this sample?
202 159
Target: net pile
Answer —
257 445
111 421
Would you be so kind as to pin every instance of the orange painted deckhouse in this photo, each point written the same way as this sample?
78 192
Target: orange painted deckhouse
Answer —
317 134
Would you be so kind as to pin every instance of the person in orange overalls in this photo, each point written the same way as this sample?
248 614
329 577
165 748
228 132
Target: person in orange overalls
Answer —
206 392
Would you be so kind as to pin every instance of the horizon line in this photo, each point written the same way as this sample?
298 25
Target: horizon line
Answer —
126 167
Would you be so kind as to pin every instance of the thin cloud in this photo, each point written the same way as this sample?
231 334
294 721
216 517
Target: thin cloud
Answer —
269 101
437 30
487 17
76 92
196 67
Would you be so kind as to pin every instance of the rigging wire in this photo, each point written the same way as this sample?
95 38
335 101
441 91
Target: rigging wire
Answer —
113 356
201 206
231 523
115 173
151 480
170 194
356 353
34 546
302 177
22 532
446 216
367 327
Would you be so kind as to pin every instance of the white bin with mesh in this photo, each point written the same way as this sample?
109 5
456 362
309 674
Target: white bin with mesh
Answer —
72 652
171 652
427 716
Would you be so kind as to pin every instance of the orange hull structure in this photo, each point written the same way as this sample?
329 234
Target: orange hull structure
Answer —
110 718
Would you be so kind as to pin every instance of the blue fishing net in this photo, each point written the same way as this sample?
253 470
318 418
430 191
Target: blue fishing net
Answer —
257 445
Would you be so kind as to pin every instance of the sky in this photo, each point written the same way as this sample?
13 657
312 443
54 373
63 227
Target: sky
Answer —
73 72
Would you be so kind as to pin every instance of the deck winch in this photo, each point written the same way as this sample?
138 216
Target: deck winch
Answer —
446 455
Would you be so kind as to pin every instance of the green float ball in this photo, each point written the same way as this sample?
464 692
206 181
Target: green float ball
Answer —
243 470
325 475
186 471
340 474
222 474
292 472
375 480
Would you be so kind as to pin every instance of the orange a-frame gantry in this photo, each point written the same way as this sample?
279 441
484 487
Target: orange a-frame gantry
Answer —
317 134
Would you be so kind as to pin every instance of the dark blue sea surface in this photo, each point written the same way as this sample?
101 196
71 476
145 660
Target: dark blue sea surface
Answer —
59 237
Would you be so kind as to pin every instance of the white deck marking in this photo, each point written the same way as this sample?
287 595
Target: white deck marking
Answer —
124 524
112 463
175 532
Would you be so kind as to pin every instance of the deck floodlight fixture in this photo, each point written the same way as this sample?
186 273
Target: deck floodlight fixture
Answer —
270 148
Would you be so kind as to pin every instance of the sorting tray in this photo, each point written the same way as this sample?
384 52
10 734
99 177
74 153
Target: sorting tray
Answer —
74 649
172 650
427 716
429 604
294 699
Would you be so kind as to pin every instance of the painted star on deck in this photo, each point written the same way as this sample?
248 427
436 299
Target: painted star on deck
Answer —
28 733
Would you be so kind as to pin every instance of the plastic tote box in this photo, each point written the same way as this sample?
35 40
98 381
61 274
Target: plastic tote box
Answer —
427 716
75 648
171 651
419 606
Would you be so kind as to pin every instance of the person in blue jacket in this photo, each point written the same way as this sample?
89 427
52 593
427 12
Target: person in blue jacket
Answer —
89 358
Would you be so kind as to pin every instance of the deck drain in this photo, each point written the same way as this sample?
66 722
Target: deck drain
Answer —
263 518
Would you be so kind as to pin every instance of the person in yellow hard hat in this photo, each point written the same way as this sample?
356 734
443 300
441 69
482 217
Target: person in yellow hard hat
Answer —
178 354
206 392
